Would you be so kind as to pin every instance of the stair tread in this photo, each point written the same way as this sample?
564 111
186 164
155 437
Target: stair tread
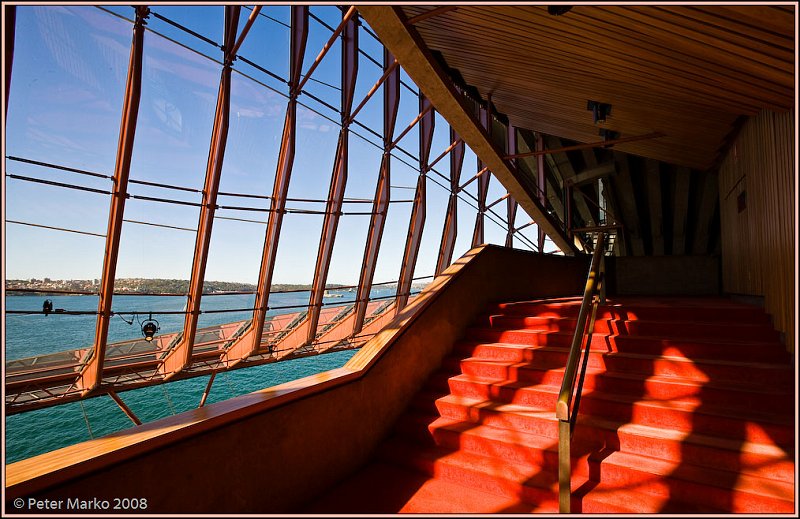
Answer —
536 476
676 322
610 498
549 388
666 468
666 341
541 412
386 488
565 349
633 376
516 472
714 303
734 445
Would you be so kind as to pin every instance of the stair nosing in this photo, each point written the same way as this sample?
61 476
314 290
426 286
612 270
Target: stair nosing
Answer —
629 375
641 356
649 431
617 397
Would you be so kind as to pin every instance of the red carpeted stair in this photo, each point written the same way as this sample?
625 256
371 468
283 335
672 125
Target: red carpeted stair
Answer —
687 406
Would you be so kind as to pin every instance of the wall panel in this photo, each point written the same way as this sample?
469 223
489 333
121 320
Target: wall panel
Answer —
758 219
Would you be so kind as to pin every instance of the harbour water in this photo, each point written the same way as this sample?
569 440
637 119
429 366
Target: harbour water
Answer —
35 432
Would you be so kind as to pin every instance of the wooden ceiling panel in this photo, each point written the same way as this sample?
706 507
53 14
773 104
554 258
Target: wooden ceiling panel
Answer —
762 23
740 53
529 39
584 76
687 71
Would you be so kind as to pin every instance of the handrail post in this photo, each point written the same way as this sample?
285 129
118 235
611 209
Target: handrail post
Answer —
602 276
564 469
564 402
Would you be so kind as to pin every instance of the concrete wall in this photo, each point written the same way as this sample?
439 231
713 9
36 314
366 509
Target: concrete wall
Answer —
269 451
663 275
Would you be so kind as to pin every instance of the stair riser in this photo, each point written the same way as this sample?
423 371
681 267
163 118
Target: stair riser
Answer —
539 425
711 397
588 439
690 491
544 495
705 348
485 391
683 348
640 414
507 451
473 477
708 331
657 389
686 420
630 312
768 375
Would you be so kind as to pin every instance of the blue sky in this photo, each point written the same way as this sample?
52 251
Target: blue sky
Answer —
68 81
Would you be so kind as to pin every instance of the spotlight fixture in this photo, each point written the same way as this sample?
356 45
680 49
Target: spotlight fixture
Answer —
608 135
599 110
47 307
149 328
558 10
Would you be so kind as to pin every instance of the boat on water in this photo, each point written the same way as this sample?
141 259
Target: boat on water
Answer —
328 293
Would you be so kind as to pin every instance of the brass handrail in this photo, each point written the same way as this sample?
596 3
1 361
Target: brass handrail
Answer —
563 404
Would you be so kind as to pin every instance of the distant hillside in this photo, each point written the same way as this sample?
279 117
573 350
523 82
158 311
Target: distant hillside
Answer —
138 286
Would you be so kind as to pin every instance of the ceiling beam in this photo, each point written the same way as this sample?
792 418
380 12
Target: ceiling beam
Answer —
404 43
604 144
559 162
652 182
680 209
549 188
590 175
705 213
627 200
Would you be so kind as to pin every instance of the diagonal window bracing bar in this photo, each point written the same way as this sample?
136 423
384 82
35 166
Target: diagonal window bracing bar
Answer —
250 342
344 23
417 220
542 183
450 220
92 373
511 204
180 357
389 23
483 182
391 102
338 178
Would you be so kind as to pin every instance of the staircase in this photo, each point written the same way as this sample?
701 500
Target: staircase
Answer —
687 407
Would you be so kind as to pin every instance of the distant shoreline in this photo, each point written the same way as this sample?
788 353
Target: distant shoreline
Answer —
137 286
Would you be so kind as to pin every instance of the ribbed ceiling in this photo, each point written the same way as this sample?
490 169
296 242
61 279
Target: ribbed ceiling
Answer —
686 71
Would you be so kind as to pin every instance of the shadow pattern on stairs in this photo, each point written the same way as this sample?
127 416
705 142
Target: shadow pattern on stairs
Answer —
688 407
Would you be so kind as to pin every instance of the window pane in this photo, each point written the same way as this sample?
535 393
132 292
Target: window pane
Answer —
65 106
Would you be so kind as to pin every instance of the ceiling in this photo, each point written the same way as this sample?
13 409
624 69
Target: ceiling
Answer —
688 72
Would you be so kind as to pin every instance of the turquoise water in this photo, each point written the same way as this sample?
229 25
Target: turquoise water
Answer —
44 430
